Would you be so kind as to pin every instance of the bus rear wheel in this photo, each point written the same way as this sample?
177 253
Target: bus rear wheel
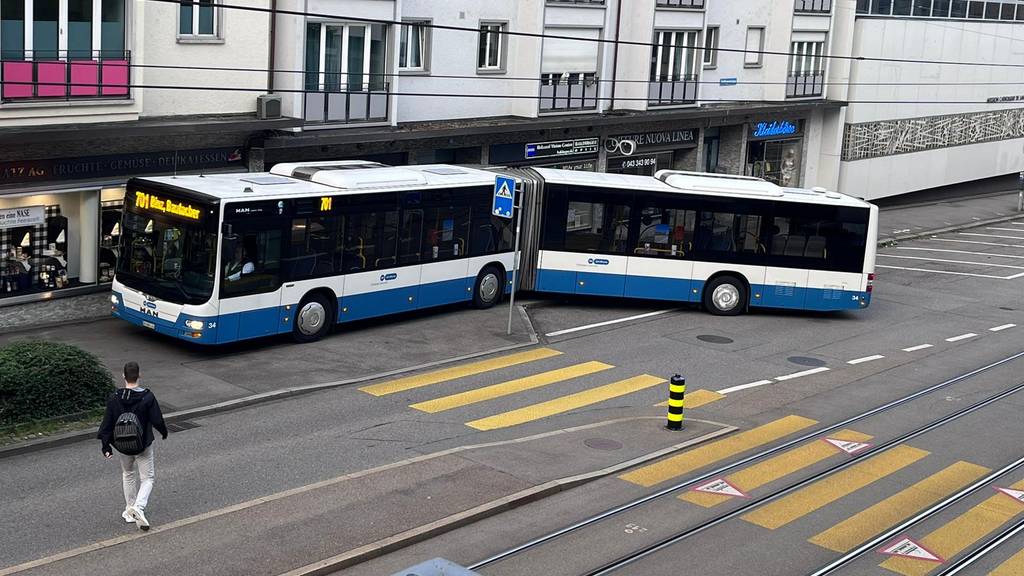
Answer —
312 319
725 296
488 288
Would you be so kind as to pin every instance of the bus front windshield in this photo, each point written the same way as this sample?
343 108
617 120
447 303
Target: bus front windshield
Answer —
170 258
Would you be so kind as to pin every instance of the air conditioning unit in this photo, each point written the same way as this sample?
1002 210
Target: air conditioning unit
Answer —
268 106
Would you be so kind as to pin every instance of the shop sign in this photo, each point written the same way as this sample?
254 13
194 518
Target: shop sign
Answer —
995 99
561 148
23 216
24 171
582 165
664 139
774 128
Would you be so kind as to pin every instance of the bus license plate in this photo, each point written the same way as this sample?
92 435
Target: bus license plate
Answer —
149 325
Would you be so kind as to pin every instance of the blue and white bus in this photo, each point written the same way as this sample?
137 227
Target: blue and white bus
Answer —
221 258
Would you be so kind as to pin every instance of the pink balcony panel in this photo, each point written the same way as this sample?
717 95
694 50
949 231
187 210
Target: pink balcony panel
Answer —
17 72
115 77
85 76
52 78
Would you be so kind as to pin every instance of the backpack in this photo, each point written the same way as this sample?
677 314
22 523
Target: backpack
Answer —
128 438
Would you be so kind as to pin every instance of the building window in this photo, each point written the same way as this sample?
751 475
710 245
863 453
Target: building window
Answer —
711 47
806 58
490 53
675 57
569 69
198 18
754 55
414 47
345 57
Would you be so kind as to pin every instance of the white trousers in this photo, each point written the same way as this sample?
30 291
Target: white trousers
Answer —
137 477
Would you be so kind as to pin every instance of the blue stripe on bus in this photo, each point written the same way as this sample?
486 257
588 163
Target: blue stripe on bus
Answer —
445 292
658 288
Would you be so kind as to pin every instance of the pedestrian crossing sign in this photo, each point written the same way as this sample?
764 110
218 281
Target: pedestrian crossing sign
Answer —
504 196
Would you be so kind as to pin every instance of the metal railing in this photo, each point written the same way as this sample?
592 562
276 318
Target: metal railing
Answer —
805 85
813 6
570 91
65 75
672 92
369 103
694 4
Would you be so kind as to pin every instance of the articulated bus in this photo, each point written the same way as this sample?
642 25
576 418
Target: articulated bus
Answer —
220 258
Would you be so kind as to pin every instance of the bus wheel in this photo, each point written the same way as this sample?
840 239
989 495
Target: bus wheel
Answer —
488 288
312 319
725 296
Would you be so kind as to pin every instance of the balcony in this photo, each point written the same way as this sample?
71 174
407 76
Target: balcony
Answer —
688 4
368 103
672 92
813 6
568 92
805 85
104 76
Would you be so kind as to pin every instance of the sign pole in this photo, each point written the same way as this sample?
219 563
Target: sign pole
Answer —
515 264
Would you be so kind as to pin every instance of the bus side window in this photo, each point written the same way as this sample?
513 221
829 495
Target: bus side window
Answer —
255 264
446 233
665 232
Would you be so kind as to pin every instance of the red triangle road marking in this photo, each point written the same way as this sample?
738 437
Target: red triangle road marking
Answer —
720 486
907 548
848 446
1017 495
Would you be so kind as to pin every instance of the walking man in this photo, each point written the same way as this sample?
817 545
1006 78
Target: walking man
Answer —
132 413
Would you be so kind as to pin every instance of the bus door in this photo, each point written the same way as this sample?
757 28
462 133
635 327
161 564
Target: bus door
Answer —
378 280
730 238
660 265
312 259
796 245
440 238
597 232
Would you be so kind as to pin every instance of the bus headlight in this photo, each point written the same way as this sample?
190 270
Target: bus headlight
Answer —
113 299
194 324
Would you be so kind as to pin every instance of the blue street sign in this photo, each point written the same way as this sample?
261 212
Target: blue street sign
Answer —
504 196
726 81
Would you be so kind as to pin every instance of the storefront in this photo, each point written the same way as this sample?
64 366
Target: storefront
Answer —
578 154
647 152
60 219
775 151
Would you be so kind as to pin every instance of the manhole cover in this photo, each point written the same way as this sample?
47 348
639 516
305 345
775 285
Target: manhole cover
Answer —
602 444
713 339
806 361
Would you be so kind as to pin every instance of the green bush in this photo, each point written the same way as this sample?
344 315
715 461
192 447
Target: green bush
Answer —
40 380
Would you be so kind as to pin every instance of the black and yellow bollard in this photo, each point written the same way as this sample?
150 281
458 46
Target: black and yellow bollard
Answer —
676 400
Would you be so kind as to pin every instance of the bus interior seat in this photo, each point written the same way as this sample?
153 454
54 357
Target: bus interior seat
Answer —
795 245
779 243
815 247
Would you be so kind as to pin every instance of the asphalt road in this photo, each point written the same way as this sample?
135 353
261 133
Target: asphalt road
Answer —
949 293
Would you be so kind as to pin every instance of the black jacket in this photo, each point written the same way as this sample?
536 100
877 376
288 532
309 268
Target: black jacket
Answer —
141 402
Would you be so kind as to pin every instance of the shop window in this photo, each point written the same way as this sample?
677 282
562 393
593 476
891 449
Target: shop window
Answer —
666 232
371 241
597 227
34 257
775 161
110 236
730 233
314 248
251 262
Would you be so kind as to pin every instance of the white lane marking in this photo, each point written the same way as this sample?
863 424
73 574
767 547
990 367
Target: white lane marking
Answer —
799 374
992 235
744 386
866 359
1004 229
1001 328
951 273
608 323
983 264
976 242
918 347
961 337
948 251
1017 222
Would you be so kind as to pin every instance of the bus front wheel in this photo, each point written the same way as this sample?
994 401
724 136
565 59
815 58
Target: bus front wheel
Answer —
725 296
488 288
312 319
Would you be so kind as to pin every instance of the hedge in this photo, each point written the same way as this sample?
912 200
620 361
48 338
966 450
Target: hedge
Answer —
41 380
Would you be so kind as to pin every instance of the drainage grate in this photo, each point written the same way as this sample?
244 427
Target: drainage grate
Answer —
602 444
807 361
181 426
714 339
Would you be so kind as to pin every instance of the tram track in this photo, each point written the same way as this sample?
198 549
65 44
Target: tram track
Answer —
681 535
984 550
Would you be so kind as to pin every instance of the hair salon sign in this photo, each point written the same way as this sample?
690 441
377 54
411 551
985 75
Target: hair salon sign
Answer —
23 216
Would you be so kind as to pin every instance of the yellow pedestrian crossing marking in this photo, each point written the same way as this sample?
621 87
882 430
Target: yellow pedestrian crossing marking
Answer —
824 492
510 387
1012 567
960 533
777 467
859 528
697 398
479 367
566 403
710 453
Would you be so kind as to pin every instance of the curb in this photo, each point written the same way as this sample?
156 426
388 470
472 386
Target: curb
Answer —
246 401
883 242
466 517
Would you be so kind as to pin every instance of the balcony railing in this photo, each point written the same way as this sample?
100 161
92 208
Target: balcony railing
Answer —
693 4
570 91
672 92
805 85
813 6
367 104
55 76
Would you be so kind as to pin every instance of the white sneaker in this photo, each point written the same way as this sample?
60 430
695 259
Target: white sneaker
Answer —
127 515
140 518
